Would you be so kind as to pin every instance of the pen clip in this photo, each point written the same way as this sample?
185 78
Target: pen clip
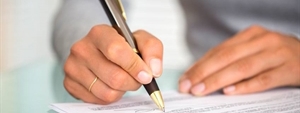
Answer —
122 9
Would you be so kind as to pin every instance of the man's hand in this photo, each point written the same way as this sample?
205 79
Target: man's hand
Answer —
105 54
253 60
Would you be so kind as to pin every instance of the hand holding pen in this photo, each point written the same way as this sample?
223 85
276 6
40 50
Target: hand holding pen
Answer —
116 15
102 66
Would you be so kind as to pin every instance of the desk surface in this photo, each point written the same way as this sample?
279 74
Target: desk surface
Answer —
31 89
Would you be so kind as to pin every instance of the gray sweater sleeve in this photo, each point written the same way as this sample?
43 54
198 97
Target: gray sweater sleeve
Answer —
210 22
73 21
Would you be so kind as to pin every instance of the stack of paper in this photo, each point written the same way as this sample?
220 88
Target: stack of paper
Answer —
273 101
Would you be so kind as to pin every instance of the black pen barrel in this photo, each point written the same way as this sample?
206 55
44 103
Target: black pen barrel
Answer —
151 87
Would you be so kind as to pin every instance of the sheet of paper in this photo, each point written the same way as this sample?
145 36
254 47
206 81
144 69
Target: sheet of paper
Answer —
273 101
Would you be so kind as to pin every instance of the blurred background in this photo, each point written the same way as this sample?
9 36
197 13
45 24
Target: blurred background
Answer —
28 69
26 30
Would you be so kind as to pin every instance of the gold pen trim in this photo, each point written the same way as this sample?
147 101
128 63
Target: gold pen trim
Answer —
157 98
135 50
122 9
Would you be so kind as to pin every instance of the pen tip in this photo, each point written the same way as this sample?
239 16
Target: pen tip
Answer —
163 109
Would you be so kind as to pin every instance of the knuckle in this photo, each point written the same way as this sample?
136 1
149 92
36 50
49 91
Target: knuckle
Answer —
256 27
246 85
154 43
243 66
150 42
117 80
272 38
264 80
79 50
111 96
141 31
98 32
132 65
217 82
98 29
283 52
95 29
196 75
226 55
75 48
67 84
69 87
114 50
68 68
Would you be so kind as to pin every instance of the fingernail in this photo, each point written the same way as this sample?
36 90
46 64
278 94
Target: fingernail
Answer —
185 86
155 65
198 89
144 77
229 89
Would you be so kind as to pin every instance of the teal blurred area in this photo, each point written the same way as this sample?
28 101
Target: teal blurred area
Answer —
33 87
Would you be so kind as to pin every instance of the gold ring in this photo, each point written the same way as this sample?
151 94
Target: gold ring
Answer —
93 84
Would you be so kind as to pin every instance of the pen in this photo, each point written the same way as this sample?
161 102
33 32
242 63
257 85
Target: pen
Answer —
116 15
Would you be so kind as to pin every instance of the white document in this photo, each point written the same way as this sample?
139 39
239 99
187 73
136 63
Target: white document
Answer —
285 100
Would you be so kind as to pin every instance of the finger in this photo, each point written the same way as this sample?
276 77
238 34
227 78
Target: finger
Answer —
238 71
85 77
218 61
105 93
151 49
116 49
267 80
110 73
80 92
241 37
